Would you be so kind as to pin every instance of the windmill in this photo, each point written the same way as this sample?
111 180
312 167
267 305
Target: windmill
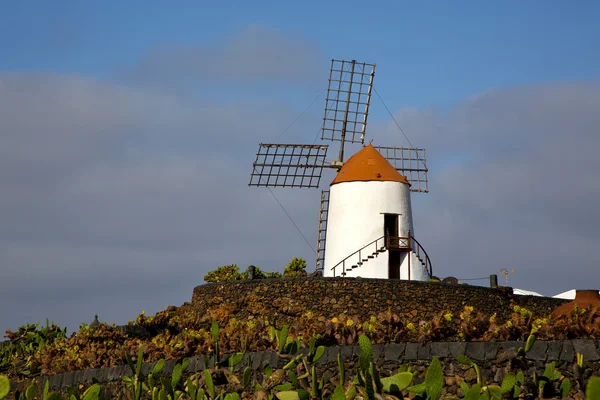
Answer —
397 170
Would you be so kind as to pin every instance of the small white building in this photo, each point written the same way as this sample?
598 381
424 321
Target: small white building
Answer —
370 229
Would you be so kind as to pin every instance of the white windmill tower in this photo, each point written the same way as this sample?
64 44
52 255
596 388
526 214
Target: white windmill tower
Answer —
365 223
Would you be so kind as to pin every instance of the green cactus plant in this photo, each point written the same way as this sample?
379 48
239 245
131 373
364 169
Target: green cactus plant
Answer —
592 390
4 386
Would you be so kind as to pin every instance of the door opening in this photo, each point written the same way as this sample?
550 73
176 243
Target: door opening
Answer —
390 228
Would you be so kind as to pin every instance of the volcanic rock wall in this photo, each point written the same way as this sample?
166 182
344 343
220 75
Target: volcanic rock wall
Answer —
288 298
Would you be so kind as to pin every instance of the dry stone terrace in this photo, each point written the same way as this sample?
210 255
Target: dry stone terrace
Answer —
329 297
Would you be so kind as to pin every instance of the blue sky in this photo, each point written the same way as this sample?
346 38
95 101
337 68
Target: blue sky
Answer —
128 129
415 44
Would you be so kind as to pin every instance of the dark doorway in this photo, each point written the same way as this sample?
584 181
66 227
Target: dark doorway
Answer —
390 224
390 228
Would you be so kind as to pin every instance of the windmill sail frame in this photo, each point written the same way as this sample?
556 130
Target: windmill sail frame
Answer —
288 165
349 90
410 162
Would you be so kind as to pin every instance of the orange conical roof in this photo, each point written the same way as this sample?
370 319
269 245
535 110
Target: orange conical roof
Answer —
368 165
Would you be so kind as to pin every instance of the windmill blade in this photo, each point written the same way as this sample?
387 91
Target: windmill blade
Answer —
410 162
288 165
348 100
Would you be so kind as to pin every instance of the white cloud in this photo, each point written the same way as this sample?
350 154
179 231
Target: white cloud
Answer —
257 56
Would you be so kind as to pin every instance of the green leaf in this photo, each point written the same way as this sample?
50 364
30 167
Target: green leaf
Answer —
463 385
209 383
4 386
293 363
166 385
517 392
520 377
284 387
338 393
158 366
365 346
232 396
214 330
318 353
92 393
54 396
247 376
494 391
473 392
176 377
282 337
366 355
592 391
140 360
151 381
508 382
162 394
191 388
311 346
314 390
529 343
464 360
549 371
434 379
235 359
288 395
341 369
293 379
419 389
565 388
30 392
397 383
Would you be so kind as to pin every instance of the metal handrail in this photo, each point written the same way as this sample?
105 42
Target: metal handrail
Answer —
418 251
343 262
391 242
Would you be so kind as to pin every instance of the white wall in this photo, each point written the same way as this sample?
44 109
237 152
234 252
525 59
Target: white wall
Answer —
418 272
356 218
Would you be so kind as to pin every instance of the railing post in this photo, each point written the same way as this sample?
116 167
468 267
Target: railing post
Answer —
409 255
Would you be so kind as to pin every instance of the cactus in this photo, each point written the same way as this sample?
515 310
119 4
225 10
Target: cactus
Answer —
592 391
341 369
234 360
4 386
214 330
434 379
315 353
508 382
528 345
366 355
209 383
246 377
136 383
282 338
396 383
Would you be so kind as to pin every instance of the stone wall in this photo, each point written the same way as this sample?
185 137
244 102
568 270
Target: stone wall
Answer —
287 298
494 359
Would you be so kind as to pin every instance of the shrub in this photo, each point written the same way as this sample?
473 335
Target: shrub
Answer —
223 273
296 268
